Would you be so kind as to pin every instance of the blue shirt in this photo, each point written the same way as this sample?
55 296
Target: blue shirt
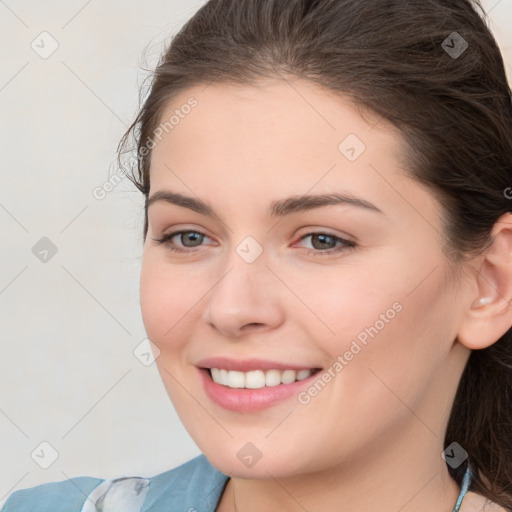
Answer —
195 486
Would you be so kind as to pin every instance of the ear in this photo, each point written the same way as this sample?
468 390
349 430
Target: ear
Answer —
490 313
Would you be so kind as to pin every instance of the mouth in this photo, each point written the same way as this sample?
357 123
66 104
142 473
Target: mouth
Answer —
249 386
257 379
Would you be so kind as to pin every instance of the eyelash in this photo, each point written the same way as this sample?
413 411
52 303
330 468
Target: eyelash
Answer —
347 244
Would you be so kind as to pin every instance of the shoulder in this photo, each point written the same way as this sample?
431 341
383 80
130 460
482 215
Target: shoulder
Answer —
67 495
196 484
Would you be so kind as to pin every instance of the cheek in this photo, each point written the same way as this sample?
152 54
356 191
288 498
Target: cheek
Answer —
399 322
335 304
167 299
404 340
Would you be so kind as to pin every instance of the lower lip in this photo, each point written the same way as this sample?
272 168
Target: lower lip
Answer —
249 400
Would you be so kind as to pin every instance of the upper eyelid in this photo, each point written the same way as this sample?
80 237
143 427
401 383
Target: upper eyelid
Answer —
177 230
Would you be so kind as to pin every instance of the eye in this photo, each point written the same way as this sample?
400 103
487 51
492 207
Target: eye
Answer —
194 238
325 243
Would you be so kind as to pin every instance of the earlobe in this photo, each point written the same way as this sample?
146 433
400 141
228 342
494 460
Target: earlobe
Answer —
490 314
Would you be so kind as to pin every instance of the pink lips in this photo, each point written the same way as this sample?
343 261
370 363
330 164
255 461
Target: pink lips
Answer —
249 400
247 365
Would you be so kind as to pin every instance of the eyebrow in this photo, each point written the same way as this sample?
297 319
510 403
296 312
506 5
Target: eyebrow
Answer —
280 208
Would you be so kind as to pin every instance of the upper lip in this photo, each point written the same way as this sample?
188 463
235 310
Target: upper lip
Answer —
246 365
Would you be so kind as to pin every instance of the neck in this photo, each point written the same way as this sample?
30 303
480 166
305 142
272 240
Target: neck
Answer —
409 475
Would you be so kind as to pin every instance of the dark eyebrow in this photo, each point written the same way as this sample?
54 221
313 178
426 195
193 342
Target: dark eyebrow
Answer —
294 204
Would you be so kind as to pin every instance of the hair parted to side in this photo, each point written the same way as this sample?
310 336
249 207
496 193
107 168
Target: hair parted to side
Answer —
455 116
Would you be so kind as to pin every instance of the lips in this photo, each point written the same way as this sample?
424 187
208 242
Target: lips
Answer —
246 365
241 385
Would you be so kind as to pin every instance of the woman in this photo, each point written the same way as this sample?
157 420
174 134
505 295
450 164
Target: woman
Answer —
327 262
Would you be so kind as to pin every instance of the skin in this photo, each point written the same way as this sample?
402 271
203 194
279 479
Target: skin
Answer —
372 438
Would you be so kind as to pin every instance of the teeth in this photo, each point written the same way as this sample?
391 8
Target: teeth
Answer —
303 374
272 378
288 376
236 379
223 377
257 379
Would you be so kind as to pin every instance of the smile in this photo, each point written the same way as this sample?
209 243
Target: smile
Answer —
257 379
253 389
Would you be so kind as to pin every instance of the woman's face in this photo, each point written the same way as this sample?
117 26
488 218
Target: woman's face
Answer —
274 279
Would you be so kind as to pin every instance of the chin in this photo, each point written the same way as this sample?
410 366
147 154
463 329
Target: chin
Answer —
236 462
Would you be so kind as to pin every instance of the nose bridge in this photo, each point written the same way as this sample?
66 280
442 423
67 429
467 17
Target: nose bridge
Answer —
243 294
242 283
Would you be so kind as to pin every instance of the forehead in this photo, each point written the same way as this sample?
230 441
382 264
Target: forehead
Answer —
295 110
275 138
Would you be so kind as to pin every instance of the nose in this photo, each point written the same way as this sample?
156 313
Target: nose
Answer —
244 299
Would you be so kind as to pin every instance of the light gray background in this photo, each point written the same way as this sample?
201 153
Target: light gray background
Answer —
68 374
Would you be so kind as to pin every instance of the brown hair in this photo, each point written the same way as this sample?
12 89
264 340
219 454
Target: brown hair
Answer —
407 61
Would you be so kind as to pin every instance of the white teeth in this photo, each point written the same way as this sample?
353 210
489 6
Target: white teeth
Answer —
272 378
303 374
257 379
288 376
215 374
236 379
223 377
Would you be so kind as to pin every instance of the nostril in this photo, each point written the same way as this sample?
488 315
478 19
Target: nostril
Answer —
252 326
